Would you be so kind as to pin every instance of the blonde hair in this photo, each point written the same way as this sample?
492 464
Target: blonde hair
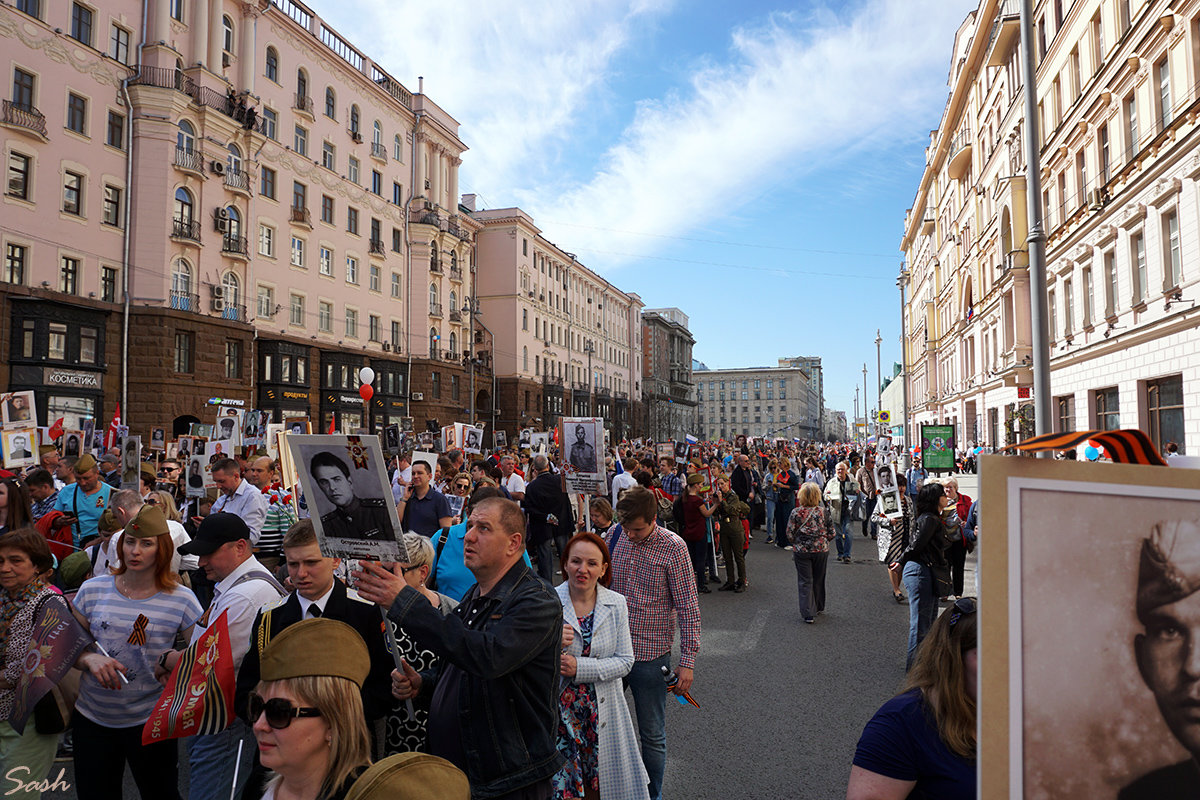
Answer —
167 504
785 463
809 495
420 550
340 704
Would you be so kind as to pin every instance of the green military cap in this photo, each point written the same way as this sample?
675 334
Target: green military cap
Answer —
74 569
150 521
47 449
148 469
695 479
108 523
85 464
411 776
1170 565
316 647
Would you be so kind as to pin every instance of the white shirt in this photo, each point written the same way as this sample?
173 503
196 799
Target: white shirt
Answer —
514 483
248 503
400 480
306 604
622 481
243 602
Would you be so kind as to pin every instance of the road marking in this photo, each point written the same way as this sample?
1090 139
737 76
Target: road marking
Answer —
715 642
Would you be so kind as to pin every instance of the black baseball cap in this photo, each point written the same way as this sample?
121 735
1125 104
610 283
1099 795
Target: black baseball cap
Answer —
214 531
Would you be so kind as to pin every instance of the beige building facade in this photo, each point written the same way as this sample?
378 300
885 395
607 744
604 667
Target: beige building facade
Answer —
756 401
1119 169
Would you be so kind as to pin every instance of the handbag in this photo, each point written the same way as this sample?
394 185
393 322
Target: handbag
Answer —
52 714
942 585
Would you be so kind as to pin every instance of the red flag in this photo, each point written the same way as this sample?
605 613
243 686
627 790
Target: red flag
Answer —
331 426
56 430
54 645
199 694
110 437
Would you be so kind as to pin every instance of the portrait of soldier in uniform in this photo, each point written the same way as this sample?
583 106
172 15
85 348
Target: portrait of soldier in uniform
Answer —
583 453
353 517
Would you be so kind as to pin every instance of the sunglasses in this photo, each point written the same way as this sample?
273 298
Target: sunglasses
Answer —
280 711
962 607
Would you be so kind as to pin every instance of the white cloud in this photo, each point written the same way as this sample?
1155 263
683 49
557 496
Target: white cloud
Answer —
515 73
798 92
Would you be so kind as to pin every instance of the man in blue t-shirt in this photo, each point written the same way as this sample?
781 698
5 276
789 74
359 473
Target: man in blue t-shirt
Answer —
422 508
83 502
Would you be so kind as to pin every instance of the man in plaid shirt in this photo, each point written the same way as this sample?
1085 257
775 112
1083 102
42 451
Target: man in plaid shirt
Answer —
668 479
666 589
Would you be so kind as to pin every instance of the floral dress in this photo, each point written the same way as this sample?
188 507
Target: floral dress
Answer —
578 728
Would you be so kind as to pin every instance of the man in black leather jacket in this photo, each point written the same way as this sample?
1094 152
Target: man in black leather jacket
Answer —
494 708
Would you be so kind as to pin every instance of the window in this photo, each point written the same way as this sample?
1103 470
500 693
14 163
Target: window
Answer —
270 123
325 317
397 194
267 183
328 156
330 103
272 65
300 141
15 256
1108 409
227 34
118 44
68 275
397 240
398 148
1131 126
396 335
108 284
1110 283
183 352
326 209
81 24
354 120
1164 403
1137 263
352 220
1162 72
296 309
1068 307
525 320
374 328
266 241
1105 158
352 170
1172 256
326 262
435 383
73 193
375 278
266 302
396 285
56 345
376 182
351 269
233 359
77 114
297 252
181 286
352 323
299 195
22 95
1089 297
454 387
18 175
112 206
31 7
115 131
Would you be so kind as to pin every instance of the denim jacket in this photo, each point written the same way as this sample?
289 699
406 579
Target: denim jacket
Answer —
508 700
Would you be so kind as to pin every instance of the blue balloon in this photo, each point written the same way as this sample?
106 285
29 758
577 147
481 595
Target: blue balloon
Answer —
1091 453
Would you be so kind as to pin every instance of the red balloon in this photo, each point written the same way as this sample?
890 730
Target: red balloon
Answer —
366 392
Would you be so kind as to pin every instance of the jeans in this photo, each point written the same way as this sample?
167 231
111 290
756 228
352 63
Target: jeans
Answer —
102 752
542 556
698 551
843 538
212 759
783 510
770 523
810 580
28 757
922 605
869 526
650 702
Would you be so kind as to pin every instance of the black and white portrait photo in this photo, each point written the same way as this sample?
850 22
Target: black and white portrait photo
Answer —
252 428
406 424
883 448
539 441
73 444
473 440
525 438
228 429
198 474
296 425
885 478
681 451
89 433
500 439
158 438
19 447
131 463
349 497
584 469
391 438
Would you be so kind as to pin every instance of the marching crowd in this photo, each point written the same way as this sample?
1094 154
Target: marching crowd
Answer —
494 662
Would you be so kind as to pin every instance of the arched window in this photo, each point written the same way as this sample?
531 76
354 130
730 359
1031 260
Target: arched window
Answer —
525 359
398 147
301 83
377 134
453 259
235 159
433 343
234 228
233 289
330 103
453 343
433 294
453 302
181 286
272 64
433 258
185 140
227 36
354 124
183 206
524 319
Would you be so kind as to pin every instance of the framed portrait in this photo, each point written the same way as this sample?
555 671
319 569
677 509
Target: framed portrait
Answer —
500 439
271 439
172 450
252 428
428 457
228 428
525 439
1086 676
456 504
89 433
391 438
201 430
297 425
199 474
472 440
425 442
349 496
451 436
72 444
20 448
539 441
664 450
583 462
17 410
131 463
122 432
681 451
883 448
406 424
158 438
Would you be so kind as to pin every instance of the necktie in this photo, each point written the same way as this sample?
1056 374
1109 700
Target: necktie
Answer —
314 610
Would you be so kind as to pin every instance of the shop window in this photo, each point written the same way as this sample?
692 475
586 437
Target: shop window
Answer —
1164 405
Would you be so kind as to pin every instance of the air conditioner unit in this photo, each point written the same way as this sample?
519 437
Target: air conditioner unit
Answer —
221 219
1095 199
427 184
218 167
387 347
356 136
417 396
478 337
218 291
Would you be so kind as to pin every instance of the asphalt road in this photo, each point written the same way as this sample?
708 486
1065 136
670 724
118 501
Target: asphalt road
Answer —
782 703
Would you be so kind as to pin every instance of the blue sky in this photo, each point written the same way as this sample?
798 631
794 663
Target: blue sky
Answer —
747 162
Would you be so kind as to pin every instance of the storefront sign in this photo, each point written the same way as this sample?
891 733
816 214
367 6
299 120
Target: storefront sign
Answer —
76 379
296 396
350 399
225 401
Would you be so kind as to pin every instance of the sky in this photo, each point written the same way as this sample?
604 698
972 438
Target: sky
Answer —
749 163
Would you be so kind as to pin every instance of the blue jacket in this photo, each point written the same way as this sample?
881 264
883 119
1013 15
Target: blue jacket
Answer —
453 578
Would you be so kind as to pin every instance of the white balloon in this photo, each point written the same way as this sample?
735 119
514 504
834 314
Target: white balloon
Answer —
366 375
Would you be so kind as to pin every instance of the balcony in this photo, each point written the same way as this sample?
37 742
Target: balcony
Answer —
456 316
435 309
376 247
449 355
234 245
189 160
235 312
550 380
960 154
185 229
435 267
185 301
1005 32
929 221
238 180
378 152
21 116
303 103
302 216
163 78
456 274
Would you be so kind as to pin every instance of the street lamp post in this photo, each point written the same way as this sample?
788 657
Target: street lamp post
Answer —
866 404
878 376
854 422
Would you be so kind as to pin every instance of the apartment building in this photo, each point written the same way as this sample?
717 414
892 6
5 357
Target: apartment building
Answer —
567 342
257 202
757 401
668 388
1119 164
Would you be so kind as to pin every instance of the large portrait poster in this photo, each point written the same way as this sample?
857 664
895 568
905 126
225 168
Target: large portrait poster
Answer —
1090 617
937 447
349 496
583 465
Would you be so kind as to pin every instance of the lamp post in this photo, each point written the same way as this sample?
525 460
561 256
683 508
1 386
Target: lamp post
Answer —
854 422
866 404
878 376
471 306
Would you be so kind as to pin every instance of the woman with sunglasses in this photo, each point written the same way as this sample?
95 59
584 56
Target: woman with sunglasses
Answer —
307 712
921 743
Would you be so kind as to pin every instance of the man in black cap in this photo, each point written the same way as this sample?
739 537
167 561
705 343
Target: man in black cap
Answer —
243 587
352 517
1168 606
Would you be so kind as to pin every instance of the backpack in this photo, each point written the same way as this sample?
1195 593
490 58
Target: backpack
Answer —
666 513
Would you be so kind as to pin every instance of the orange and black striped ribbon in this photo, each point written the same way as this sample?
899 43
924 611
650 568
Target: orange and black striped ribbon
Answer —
1130 446
138 635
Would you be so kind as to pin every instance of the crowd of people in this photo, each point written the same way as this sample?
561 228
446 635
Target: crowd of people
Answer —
494 661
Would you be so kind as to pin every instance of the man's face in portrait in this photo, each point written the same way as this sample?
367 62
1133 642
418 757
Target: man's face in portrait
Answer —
1168 656
334 485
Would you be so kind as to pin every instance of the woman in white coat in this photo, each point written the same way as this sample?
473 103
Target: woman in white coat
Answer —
595 733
